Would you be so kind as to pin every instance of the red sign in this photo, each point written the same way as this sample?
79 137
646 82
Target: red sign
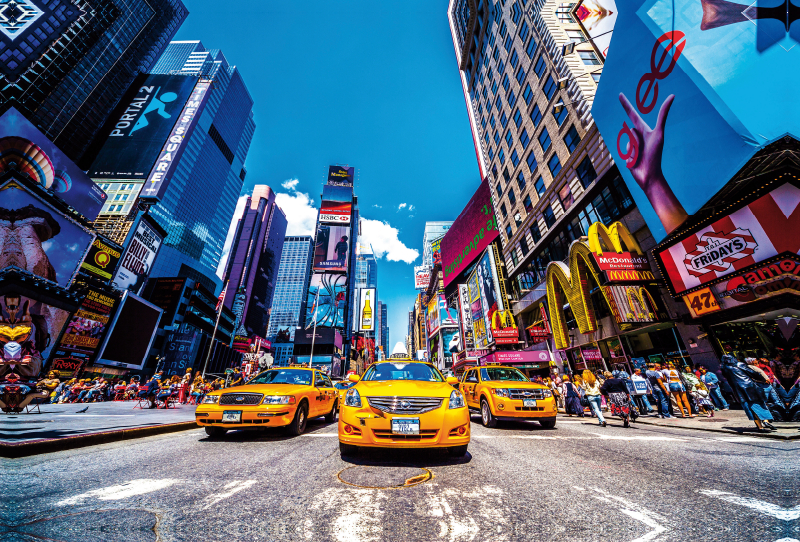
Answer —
509 335
591 354
524 356
66 365
612 261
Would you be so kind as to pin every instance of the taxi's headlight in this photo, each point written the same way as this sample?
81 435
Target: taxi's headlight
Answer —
278 400
352 398
500 392
210 400
547 393
456 400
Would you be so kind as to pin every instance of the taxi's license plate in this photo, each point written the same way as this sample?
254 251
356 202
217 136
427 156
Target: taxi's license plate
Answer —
529 402
405 426
232 416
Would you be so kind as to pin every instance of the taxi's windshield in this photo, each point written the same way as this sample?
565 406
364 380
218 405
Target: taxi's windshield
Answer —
496 373
403 371
283 376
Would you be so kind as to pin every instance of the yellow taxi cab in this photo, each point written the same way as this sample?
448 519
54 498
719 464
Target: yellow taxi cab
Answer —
499 392
285 396
400 403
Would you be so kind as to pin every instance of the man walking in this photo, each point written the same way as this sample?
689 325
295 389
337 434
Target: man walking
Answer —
660 393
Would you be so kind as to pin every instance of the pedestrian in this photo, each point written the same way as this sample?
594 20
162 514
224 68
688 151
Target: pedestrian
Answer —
678 390
774 402
593 395
712 383
555 385
619 398
186 383
700 395
572 397
237 378
640 395
750 395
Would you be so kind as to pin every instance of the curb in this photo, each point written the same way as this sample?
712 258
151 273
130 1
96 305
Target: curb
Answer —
773 436
48 446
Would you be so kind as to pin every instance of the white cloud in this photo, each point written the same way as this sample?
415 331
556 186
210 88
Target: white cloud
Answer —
410 208
290 184
377 206
385 242
300 211
402 206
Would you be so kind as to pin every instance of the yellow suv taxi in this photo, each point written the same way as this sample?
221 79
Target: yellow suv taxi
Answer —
504 392
286 396
403 404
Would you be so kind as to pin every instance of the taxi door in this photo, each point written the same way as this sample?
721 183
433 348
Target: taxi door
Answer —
468 387
324 397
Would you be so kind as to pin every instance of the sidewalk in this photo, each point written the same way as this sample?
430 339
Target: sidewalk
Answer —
60 427
724 421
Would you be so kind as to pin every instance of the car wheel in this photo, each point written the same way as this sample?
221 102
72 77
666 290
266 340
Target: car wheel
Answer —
330 417
457 451
347 449
547 424
298 424
487 418
216 432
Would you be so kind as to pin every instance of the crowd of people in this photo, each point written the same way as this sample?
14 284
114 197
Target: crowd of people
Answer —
666 392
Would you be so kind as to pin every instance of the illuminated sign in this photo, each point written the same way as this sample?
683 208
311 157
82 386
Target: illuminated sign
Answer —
139 255
631 304
102 259
618 254
422 277
504 328
336 212
332 248
340 176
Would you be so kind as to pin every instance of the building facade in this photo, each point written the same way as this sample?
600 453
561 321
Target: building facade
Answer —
384 327
290 294
67 68
201 193
253 264
433 231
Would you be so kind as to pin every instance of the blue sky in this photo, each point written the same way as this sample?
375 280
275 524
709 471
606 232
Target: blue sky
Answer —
374 85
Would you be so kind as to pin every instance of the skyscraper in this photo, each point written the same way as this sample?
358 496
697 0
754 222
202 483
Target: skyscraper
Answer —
255 254
433 231
384 327
290 294
198 195
67 67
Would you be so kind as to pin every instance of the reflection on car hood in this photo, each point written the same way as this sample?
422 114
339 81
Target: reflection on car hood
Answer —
267 389
404 388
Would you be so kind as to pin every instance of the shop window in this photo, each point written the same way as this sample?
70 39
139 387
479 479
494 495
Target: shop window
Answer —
528 204
532 164
549 216
536 115
539 185
586 173
521 181
544 140
554 164
565 195
572 139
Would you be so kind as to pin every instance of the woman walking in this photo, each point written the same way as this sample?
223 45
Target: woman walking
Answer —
619 398
593 395
572 397
744 381
677 390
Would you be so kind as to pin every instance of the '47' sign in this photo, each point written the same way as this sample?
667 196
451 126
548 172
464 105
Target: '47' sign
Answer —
701 302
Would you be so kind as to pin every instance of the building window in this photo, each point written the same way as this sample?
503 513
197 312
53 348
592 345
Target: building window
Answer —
596 77
501 66
539 185
499 189
524 138
509 231
544 140
527 94
514 158
491 153
554 164
494 87
514 59
503 30
523 31
523 246
516 13
508 43
565 195
528 203
491 121
586 173
518 220
514 258
530 50
521 181
575 36
563 12
572 139
532 163
506 176
520 75
503 210
549 216
589 58
536 116
560 116
512 198
549 87
517 118
512 99
503 120
535 232
541 67
505 82
498 102
486 138
502 156
496 138
509 139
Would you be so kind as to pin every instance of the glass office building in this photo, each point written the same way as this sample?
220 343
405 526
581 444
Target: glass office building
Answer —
67 67
290 293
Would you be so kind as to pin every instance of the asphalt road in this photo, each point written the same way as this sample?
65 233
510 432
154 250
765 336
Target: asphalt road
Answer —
519 482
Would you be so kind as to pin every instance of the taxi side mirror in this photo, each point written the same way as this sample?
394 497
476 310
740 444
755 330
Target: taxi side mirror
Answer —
353 378
452 380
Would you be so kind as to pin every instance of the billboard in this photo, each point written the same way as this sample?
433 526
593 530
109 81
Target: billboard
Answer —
467 341
422 277
597 18
473 230
340 176
38 238
180 352
680 93
141 125
733 242
332 248
336 212
87 326
617 254
37 157
166 294
133 330
326 300
504 328
139 255
448 316
102 259
480 331
337 193
367 305
432 316
173 147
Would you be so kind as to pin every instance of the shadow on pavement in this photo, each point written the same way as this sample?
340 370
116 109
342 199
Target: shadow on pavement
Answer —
266 434
405 457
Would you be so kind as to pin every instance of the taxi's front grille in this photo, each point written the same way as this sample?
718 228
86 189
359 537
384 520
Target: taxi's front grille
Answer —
526 394
246 398
424 434
405 405
530 408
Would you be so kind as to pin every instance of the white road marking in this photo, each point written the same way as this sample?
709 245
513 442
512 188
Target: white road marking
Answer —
231 489
121 491
95 415
357 515
638 437
479 512
320 435
637 512
779 512
647 520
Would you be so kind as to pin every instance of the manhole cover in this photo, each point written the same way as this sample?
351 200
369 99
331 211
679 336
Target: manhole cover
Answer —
714 420
372 477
